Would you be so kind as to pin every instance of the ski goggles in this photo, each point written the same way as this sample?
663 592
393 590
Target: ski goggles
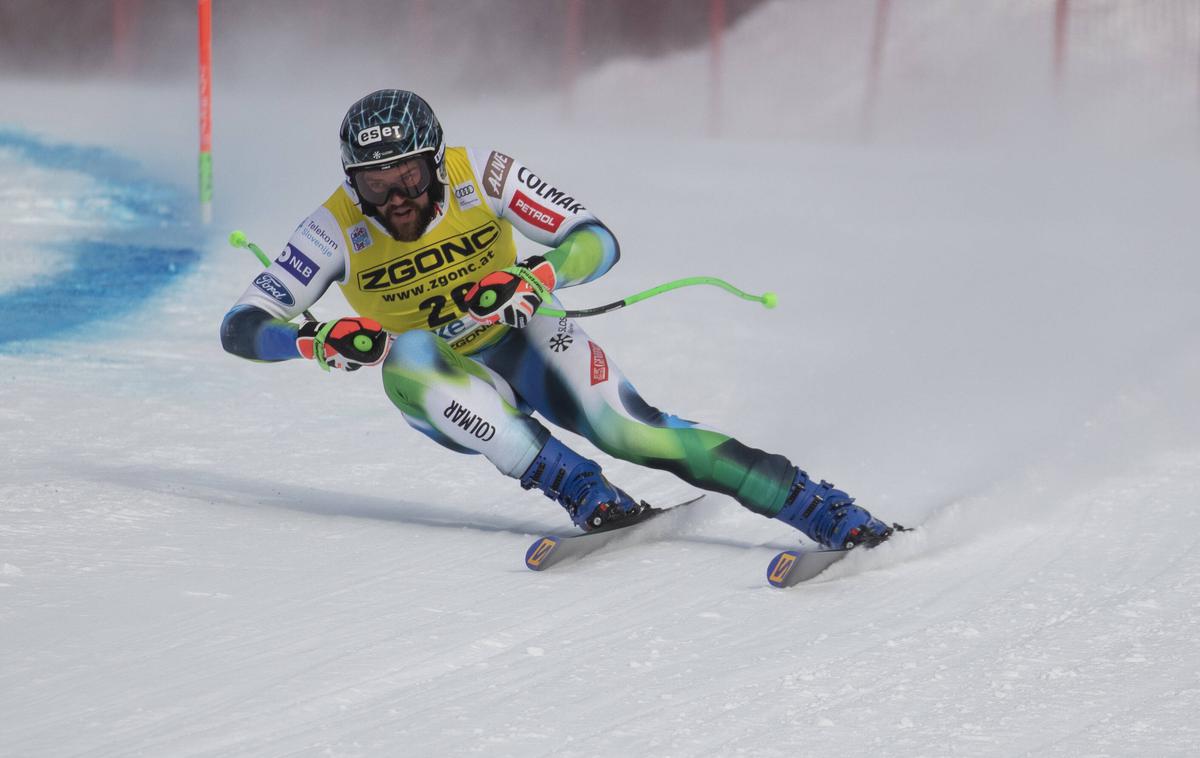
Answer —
410 178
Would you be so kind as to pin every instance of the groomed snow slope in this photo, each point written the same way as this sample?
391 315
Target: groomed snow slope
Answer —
201 556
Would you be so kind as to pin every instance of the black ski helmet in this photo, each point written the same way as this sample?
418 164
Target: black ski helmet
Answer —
388 125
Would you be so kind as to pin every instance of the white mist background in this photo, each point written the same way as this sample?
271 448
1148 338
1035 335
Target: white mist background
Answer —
987 327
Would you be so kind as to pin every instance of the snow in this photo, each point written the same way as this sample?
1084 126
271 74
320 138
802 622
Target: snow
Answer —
994 339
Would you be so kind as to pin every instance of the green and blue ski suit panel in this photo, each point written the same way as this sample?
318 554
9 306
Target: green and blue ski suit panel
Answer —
481 395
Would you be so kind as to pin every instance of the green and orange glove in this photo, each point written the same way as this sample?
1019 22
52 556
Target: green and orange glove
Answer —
511 296
348 343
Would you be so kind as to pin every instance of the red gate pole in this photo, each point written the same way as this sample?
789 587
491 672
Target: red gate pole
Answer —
572 37
1197 29
204 8
875 66
124 35
419 32
1062 12
716 30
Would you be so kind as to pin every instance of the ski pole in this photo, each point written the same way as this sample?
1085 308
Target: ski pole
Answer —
768 299
237 238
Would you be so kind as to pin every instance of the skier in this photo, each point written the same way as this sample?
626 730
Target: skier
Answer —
419 237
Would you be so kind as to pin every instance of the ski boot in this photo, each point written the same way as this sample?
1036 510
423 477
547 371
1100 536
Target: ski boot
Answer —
829 516
577 484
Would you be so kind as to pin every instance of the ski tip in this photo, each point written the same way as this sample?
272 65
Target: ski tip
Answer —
538 554
780 566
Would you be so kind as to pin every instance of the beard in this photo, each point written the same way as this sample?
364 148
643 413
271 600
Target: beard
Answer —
413 225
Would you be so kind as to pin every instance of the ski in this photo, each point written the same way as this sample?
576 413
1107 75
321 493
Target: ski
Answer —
791 567
554 549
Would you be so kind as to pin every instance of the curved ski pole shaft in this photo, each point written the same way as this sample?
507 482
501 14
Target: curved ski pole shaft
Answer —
768 299
237 238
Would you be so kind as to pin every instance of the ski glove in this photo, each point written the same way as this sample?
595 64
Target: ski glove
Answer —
348 343
512 296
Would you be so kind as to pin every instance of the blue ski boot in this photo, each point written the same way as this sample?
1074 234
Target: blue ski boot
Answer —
829 516
576 484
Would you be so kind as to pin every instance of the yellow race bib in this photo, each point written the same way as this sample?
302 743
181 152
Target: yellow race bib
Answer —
423 284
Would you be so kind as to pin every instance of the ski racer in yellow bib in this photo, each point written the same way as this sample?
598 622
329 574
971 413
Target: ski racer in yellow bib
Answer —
420 239
422 284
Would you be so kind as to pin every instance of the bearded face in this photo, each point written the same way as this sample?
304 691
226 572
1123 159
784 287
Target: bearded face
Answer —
400 195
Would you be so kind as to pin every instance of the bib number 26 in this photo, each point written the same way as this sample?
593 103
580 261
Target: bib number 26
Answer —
439 314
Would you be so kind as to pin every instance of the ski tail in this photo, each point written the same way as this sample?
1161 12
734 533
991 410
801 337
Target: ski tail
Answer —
791 567
537 557
551 549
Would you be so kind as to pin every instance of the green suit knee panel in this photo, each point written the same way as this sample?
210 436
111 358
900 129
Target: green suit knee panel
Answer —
418 360
708 459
